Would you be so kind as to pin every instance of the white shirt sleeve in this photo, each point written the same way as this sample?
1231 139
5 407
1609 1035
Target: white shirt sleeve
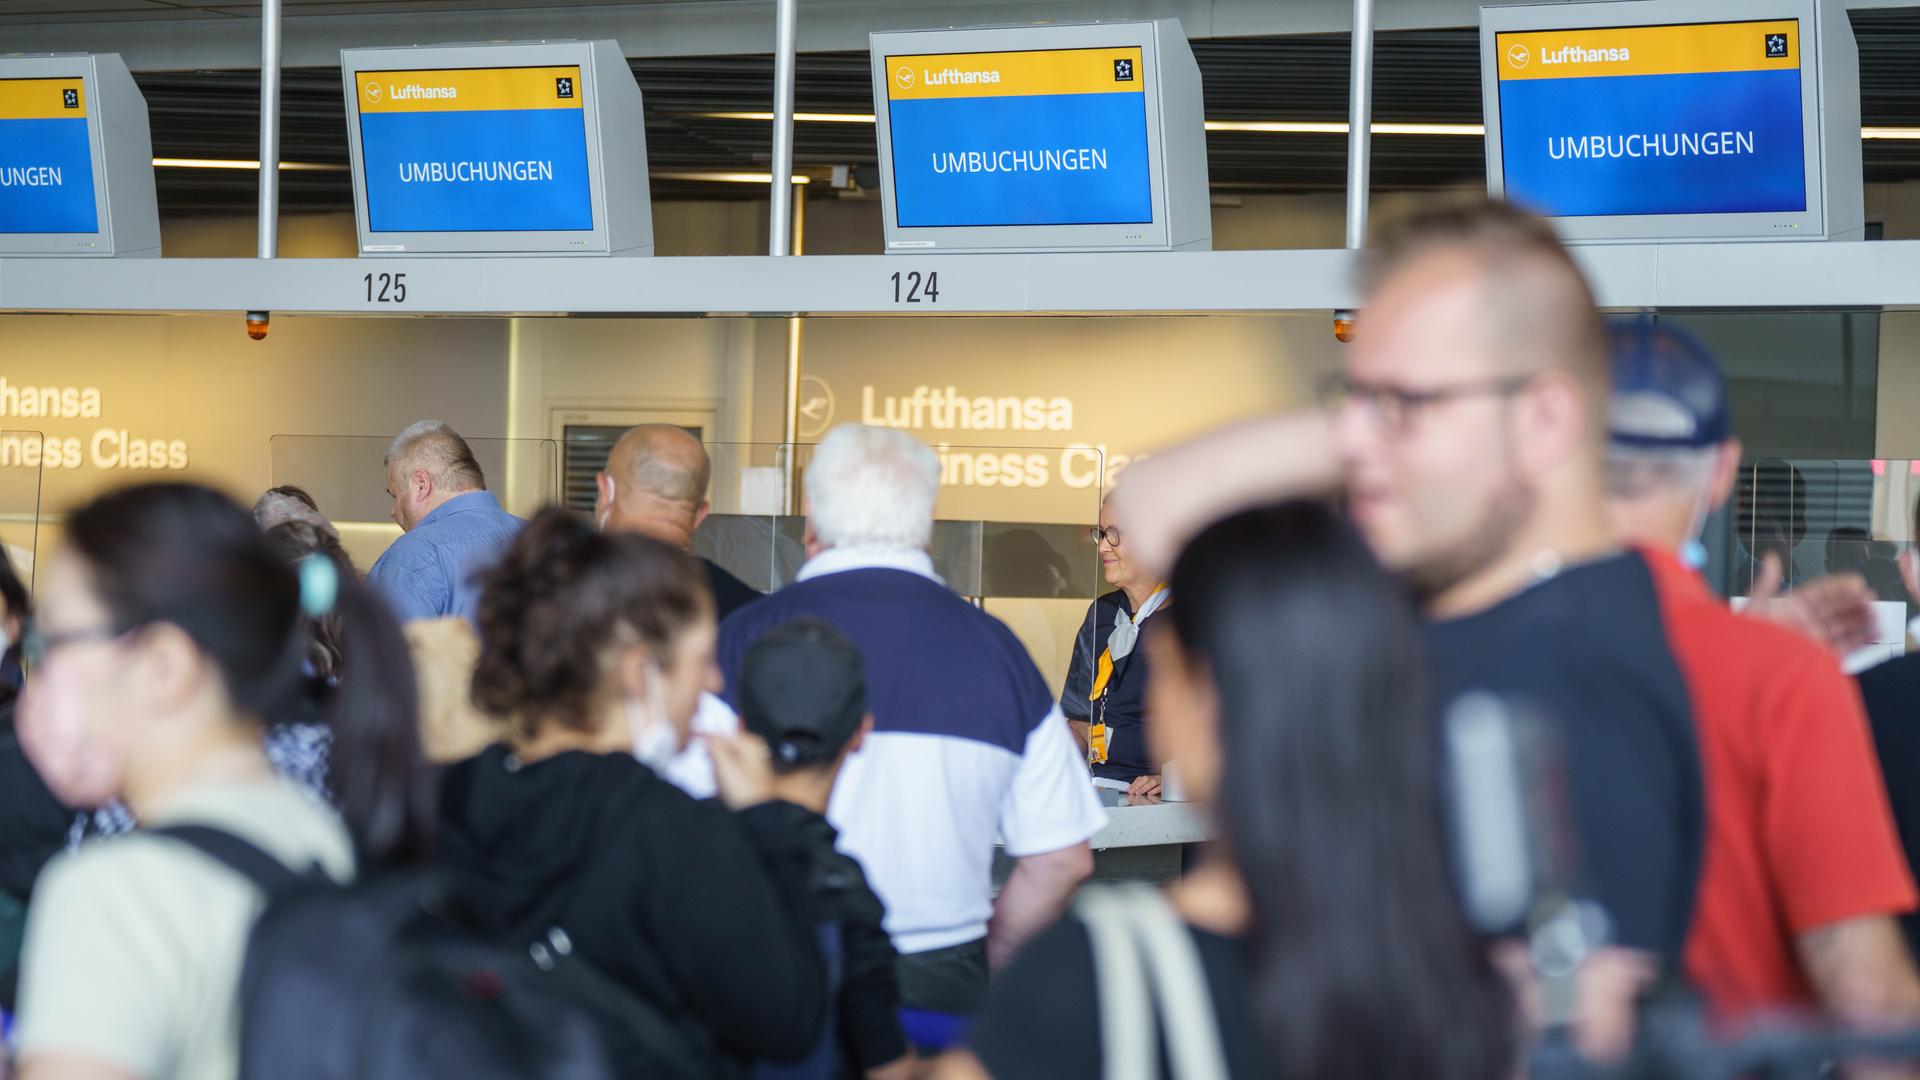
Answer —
691 770
1051 804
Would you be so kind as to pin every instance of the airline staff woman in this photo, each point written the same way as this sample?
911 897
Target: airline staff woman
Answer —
1106 691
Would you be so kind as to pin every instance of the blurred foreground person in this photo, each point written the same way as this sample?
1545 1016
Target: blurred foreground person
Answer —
969 749
1291 688
452 727
1469 429
596 648
1892 693
1803 871
169 636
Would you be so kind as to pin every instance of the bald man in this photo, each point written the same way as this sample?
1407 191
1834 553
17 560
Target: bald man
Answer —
655 484
453 529
1468 431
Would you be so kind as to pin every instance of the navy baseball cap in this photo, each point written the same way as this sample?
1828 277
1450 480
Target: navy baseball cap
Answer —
1668 390
803 689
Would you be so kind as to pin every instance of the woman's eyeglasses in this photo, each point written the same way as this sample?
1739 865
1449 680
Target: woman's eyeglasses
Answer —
1109 535
37 643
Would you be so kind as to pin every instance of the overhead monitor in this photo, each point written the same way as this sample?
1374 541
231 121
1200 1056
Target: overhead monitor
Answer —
1079 137
1652 120
76 159
536 148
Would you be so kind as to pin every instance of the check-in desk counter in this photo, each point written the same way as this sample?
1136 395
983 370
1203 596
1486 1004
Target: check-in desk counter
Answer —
1140 843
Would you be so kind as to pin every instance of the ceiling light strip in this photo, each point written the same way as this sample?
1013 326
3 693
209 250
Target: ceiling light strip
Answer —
252 166
725 177
1268 127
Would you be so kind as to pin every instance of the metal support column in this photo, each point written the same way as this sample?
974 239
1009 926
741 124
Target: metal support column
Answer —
269 148
1359 142
779 220
795 326
785 207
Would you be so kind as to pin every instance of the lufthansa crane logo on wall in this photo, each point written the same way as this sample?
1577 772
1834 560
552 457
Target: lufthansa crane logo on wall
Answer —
373 91
816 407
904 76
1518 56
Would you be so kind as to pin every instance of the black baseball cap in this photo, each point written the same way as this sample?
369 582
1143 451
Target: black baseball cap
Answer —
803 689
1668 390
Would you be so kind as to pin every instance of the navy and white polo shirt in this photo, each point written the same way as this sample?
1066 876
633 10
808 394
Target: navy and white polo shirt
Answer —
968 743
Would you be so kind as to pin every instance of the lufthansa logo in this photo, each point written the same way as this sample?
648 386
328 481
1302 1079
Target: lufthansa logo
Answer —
373 91
904 76
1518 56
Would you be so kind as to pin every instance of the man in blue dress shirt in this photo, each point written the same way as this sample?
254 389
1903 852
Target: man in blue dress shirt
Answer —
453 528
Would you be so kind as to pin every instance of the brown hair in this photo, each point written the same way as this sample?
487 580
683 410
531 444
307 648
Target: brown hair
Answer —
559 598
1539 311
293 541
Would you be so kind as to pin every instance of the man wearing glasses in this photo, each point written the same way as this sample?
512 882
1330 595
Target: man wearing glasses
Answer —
1468 431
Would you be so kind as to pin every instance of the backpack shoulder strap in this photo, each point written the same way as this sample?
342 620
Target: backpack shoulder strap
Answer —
1179 981
1129 1038
243 857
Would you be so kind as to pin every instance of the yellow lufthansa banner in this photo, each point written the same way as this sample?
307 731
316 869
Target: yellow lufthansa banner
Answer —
1649 50
43 99
469 89
1015 74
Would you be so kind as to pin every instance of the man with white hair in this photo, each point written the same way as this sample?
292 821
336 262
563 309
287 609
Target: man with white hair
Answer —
452 527
967 745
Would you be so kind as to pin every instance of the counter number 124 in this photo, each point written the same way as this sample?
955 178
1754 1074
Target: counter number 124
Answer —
914 287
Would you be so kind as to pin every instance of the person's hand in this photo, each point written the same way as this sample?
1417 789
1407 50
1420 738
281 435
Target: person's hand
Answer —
908 1067
1145 787
1836 610
742 769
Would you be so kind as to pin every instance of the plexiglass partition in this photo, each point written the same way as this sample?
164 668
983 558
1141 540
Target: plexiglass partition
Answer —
1820 516
347 477
22 458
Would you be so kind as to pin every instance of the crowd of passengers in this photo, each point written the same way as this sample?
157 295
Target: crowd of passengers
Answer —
561 798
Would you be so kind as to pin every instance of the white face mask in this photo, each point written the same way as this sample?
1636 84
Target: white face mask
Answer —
1694 552
655 742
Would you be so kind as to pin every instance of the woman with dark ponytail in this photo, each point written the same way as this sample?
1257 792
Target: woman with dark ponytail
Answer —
595 650
170 638
1290 693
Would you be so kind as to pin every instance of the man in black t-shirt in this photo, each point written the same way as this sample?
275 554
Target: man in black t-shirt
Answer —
655 483
1468 430
1471 427
1892 694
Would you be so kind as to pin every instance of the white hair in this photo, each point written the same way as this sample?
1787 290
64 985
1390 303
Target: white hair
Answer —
872 489
276 508
434 446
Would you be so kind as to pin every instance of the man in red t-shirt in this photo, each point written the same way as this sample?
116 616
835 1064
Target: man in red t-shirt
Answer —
1804 872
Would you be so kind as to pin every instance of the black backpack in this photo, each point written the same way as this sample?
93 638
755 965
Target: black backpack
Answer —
377 981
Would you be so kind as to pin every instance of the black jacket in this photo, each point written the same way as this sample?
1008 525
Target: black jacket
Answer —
869 1032
730 594
699 910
